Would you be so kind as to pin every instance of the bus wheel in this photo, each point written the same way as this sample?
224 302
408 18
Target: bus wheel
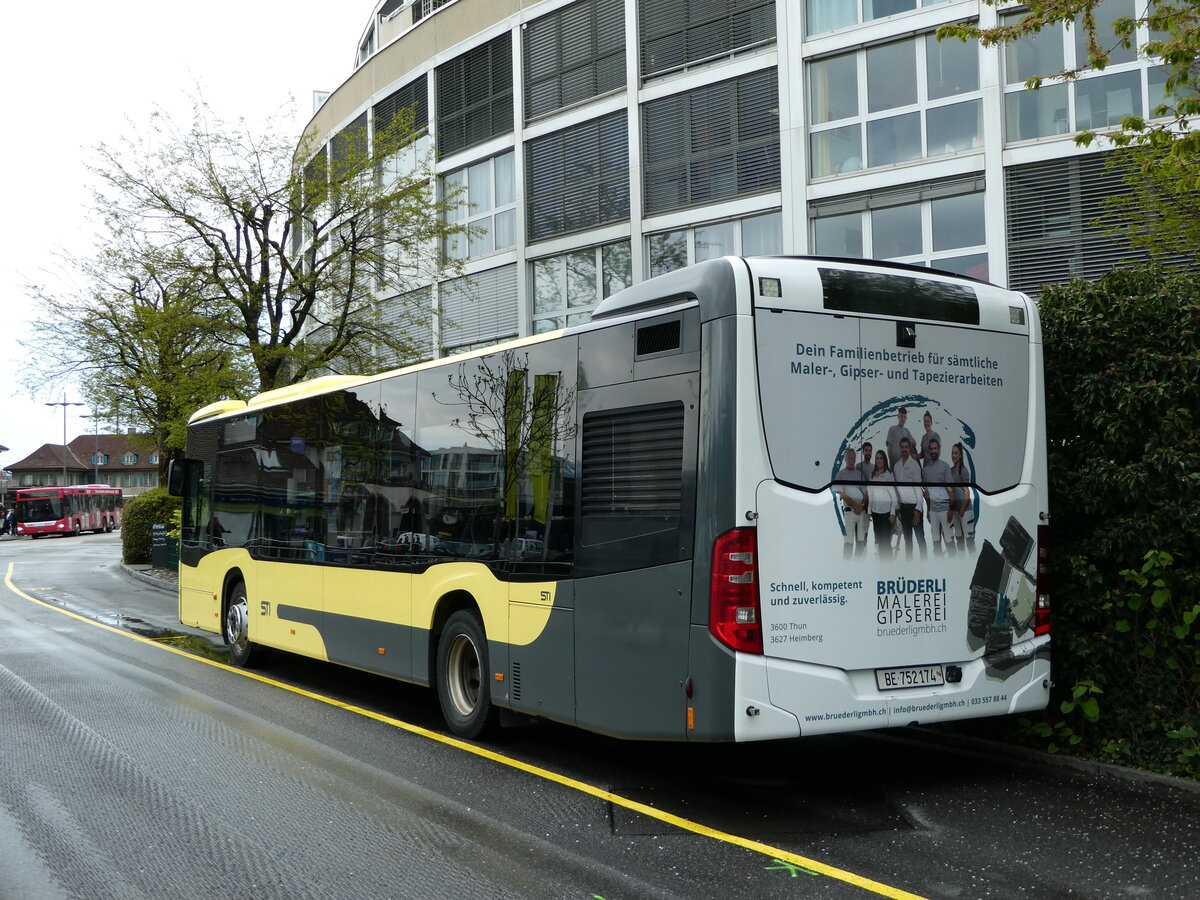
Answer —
236 628
462 665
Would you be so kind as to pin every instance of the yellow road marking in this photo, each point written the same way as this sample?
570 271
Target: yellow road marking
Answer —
774 853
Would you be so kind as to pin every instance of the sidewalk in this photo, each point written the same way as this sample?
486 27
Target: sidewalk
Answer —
159 608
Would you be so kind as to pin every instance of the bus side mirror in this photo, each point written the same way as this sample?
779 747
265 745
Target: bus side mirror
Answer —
177 475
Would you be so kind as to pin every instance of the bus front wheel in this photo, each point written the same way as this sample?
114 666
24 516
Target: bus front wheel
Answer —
236 628
462 683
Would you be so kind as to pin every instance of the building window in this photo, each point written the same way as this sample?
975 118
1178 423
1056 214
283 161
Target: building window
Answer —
574 54
487 205
894 103
826 15
423 8
101 459
753 236
412 99
713 143
407 314
1052 212
1098 99
566 288
578 178
367 48
678 33
348 151
129 459
479 309
475 96
940 225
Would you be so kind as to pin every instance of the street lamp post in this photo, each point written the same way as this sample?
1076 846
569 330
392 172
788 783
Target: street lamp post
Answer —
64 404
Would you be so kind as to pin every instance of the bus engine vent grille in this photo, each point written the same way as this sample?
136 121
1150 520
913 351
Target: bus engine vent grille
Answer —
633 462
514 686
658 338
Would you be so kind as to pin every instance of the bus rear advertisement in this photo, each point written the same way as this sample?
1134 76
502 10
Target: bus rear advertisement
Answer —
69 510
750 499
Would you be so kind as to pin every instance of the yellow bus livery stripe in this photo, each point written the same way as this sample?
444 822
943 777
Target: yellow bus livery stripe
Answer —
514 613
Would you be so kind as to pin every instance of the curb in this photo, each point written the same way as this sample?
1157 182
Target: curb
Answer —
147 578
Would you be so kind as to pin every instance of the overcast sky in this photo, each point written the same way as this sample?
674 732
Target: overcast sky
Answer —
76 72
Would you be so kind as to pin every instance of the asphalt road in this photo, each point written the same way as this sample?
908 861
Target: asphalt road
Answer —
130 768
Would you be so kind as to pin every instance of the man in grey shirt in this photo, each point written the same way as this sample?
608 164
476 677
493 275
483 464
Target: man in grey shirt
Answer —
937 491
850 487
866 463
896 434
929 435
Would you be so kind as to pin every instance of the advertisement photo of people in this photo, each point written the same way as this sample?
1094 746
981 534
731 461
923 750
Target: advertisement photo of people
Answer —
891 497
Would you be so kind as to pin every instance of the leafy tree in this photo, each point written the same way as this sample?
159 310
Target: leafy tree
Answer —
290 247
142 340
1160 160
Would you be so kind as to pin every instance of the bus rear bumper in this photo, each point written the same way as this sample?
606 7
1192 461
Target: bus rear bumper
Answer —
777 698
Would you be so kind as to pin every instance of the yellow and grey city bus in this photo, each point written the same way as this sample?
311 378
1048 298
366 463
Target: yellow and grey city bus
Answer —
750 499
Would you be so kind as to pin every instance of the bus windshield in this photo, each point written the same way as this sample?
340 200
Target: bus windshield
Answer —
40 509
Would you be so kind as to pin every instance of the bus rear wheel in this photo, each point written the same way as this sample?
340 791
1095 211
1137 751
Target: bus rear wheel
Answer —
462 684
236 628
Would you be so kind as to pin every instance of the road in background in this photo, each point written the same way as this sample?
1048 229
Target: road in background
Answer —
132 770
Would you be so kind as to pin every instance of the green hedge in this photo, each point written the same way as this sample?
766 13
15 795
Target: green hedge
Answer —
155 507
1122 361
1123 416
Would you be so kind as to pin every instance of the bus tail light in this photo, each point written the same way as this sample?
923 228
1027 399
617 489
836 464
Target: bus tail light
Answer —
733 613
1041 618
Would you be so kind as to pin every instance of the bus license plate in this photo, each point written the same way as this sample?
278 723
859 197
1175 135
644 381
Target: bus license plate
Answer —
909 677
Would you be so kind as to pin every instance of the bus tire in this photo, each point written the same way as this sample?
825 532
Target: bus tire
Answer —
235 628
462 684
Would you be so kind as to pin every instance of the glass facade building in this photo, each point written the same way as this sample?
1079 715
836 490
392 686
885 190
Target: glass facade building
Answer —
596 143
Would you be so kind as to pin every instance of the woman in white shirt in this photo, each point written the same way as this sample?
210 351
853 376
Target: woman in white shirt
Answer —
882 500
960 500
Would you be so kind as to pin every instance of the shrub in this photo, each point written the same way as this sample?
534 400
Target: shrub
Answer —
155 507
1122 409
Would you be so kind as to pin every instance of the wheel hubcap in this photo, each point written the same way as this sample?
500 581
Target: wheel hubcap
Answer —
235 623
464 675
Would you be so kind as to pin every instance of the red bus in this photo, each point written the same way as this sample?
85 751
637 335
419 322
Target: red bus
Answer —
69 510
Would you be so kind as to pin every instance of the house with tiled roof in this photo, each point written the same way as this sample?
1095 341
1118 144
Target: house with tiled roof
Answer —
127 461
